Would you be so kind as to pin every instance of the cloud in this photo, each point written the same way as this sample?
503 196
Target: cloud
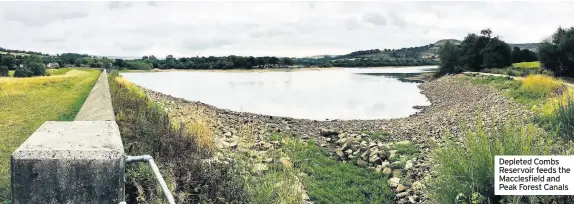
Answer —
264 28
45 18
375 19
397 20
119 5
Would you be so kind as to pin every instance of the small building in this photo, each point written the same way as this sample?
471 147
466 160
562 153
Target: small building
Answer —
53 65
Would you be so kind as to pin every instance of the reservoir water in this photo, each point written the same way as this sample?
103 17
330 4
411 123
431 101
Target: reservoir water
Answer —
345 94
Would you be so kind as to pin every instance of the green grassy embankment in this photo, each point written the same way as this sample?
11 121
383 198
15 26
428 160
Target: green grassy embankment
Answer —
26 103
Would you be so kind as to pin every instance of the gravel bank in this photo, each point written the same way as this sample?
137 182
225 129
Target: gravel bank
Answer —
455 104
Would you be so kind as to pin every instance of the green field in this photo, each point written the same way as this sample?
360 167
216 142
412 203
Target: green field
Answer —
51 72
26 103
527 65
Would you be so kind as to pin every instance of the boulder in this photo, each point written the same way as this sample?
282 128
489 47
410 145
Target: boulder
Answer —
328 133
417 186
339 153
387 170
397 173
374 159
400 188
394 182
408 165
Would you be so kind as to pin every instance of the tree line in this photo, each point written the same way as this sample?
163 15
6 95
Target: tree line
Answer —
477 52
363 62
25 66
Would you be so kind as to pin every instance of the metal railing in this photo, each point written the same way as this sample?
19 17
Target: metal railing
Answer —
159 178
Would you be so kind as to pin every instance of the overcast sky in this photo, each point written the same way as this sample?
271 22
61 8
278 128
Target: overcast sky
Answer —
265 28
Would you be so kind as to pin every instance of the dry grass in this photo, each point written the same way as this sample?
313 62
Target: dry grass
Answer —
26 103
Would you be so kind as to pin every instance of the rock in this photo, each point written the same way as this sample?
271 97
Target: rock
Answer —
339 153
394 182
418 186
408 165
378 168
374 158
341 141
372 144
328 133
402 195
413 199
397 173
349 151
385 164
361 162
228 134
384 155
365 155
345 146
387 170
400 188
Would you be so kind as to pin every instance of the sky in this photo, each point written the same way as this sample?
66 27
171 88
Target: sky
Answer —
286 29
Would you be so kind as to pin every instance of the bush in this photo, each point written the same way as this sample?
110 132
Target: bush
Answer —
37 68
4 71
467 170
22 72
540 86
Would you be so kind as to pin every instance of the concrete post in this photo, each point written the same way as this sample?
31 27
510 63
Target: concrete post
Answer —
70 162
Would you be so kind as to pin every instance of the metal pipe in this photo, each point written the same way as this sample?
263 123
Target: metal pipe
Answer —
162 184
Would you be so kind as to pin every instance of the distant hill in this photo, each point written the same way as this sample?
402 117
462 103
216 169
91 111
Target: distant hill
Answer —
530 46
429 51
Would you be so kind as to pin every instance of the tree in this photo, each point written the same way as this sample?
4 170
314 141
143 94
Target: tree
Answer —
9 61
516 55
3 70
556 53
496 54
36 68
449 55
22 72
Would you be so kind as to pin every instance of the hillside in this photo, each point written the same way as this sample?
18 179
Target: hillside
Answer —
429 51
530 46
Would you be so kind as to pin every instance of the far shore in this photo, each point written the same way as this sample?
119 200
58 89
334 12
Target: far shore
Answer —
262 69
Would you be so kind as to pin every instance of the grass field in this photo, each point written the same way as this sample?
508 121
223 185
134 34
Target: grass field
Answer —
26 103
527 65
52 72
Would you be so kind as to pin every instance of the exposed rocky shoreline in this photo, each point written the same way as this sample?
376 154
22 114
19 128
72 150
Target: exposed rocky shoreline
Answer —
375 144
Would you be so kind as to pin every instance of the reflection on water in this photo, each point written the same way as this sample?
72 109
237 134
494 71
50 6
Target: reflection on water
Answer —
350 93
404 77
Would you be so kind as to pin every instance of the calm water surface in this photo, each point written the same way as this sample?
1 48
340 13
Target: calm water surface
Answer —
349 93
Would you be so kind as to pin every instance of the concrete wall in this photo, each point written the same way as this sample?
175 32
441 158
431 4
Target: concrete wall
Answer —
82 161
98 105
